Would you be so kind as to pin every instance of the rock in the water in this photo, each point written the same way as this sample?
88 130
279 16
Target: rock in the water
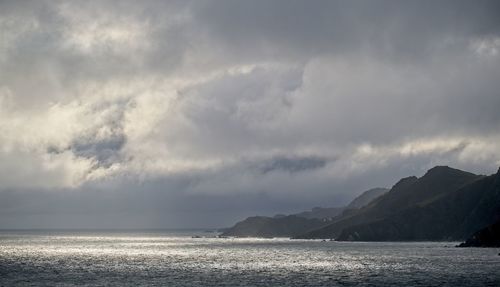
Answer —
487 237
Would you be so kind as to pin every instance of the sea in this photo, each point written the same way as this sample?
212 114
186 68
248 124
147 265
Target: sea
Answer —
198 258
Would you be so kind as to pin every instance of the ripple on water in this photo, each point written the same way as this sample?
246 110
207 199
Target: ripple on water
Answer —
164 259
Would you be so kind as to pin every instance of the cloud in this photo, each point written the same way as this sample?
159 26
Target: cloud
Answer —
245 107
391 29
293 165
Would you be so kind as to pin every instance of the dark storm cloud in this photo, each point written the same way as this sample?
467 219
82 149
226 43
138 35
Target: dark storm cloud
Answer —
293 164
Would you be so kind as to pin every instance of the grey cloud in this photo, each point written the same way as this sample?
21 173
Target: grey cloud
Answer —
105 151
170 202
293 164
277 28
43 45
104 141
234 111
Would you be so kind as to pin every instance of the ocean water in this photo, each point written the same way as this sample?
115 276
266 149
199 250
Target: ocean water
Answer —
63 258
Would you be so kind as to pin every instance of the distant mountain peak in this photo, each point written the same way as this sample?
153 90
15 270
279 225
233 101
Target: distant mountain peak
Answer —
441 167
405 181
441 170
366 197
444 204
321 212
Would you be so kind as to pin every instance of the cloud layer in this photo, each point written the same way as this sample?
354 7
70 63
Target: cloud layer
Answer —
159 113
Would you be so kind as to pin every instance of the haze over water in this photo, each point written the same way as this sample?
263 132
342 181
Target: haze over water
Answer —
38 258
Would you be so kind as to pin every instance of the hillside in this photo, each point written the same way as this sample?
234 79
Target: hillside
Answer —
445 204
366 197
321 212
296 224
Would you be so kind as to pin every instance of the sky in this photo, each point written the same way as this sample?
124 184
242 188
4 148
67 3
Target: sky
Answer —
187 114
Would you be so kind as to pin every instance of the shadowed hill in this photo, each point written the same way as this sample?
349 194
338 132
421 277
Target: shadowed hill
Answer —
296 224
445 204
366 197
321 212
408 193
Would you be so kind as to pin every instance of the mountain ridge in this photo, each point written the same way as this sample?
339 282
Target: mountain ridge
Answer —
442 205
433 207
262 226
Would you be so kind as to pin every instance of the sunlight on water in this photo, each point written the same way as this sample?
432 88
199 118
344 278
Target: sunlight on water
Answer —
168 259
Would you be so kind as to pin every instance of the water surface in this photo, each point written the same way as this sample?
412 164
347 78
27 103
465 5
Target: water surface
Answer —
64 258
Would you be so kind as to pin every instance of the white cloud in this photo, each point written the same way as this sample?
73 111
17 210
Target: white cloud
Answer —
91 30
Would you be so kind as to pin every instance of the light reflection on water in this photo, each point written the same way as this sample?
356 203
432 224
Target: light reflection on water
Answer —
100 258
